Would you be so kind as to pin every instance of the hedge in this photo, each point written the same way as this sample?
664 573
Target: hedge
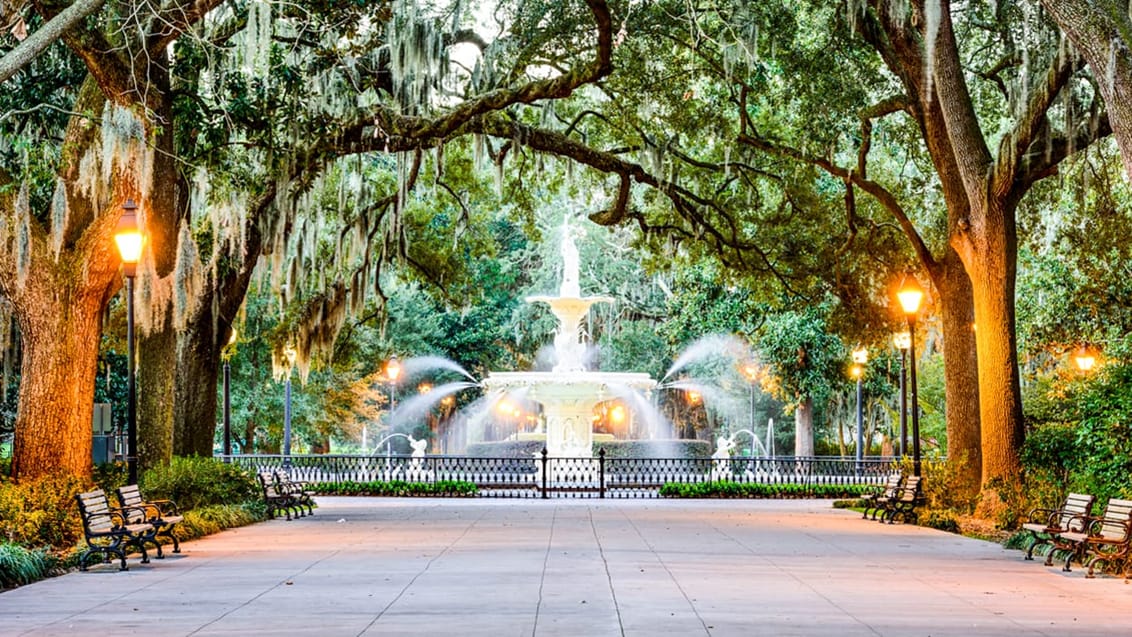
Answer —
727 489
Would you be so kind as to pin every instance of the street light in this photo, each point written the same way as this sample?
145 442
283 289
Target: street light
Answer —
289 354
226 353
129 239
903 340
1085 358
860 357
910 295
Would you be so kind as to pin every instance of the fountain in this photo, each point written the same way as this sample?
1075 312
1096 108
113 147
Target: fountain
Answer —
569 393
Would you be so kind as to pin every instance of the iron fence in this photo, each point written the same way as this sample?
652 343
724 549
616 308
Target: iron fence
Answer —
543 476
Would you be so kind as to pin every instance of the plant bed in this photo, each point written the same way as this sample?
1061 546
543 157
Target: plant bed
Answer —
726 489
397 488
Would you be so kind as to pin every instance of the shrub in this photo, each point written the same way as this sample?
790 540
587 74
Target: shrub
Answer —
444 488
942 519
195 482
19 565
217 517
728 489
654 448
41 512
506 449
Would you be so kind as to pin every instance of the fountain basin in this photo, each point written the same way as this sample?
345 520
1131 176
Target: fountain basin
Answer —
568 399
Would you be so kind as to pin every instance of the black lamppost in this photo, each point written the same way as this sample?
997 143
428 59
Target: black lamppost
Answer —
129 240
289 353
860 357
392 371
227 355
910 295
751 371
903 340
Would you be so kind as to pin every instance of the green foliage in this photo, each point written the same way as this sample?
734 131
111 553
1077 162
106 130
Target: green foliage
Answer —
728 489
111 475
42 512
398 488
196 482
805 358
214 518
20 565
654 448
1049 456
942 519
1104 437
506 449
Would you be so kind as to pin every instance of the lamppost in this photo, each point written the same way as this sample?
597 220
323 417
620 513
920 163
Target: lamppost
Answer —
903 340
289 353
392 371
129 239
910 295
860 357
229 349
751 371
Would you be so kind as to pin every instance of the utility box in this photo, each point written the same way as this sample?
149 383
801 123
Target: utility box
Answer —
103 425
102 449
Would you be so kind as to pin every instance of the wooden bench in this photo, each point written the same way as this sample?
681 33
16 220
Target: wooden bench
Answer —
162 514
296 490
906 501
1046 524
886 494
274 499
1106 538
108 532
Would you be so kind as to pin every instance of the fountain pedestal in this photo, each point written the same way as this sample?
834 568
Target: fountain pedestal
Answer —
568 400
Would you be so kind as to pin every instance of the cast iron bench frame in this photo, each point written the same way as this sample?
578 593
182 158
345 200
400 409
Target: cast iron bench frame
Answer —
905 502
1046 524
108 531
877 500
1108 538
162 514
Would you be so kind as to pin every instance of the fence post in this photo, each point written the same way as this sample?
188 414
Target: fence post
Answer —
544 461
601 472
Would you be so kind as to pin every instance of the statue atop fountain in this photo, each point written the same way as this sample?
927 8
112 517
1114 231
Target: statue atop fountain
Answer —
569 393
569 307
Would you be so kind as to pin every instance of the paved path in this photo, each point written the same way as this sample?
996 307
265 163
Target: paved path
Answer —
372 566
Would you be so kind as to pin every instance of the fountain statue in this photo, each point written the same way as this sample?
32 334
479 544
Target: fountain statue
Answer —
569 393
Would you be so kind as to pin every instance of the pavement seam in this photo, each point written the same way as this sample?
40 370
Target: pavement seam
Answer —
671 575
545 562
424 570
608 575
265 591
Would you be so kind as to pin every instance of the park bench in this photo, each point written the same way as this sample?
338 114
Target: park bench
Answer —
905 503
877 500
1106 538
162 514
272 497
1046 524
108 531
298 492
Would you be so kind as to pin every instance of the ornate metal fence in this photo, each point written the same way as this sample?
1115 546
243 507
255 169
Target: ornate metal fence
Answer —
542 476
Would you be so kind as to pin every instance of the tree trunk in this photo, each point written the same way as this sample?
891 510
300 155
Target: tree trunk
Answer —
804 428
155 397
1101 31
992 267
961 378
53 427
198 362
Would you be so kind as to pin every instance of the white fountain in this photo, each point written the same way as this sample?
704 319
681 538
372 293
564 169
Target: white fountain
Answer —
569 393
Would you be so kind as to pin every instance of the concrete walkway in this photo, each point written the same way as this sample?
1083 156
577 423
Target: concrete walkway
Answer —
372 566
